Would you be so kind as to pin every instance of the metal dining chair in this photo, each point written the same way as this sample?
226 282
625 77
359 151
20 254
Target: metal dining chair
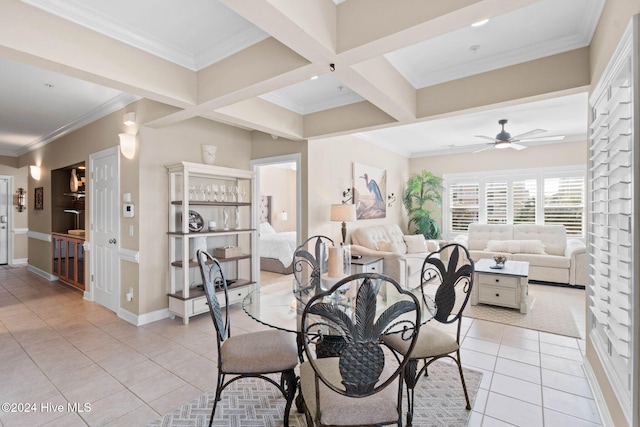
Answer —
250 355
309 262
450 286
362 385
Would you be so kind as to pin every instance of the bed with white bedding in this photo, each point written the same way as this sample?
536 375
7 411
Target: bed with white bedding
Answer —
276 249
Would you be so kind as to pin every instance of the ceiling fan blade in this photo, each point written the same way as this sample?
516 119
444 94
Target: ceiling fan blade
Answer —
527 134
517 146
483 149
490 138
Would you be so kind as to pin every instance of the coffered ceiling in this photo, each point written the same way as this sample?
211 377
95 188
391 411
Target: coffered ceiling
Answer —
250 63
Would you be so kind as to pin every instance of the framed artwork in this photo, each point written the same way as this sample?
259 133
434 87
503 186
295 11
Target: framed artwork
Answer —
38 199
369 191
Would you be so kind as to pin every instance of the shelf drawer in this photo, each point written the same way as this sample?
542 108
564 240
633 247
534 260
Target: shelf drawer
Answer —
496 280
238 294
505 297
200 305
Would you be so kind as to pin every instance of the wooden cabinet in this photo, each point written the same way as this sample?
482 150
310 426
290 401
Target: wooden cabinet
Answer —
68 259
200 195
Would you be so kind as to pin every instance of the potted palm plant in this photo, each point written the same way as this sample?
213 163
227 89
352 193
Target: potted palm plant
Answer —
422 189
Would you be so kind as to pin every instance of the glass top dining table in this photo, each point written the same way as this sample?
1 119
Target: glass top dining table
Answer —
277 306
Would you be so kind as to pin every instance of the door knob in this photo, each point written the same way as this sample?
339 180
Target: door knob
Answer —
112 241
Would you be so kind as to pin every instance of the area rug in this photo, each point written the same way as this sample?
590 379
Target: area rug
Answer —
551 309
250 402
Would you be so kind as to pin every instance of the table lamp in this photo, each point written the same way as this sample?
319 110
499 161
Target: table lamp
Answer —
343 213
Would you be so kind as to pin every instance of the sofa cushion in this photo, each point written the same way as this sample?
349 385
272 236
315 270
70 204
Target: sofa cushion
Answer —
554 237
550 261
416 243
480 234
516 246
370 236
384 246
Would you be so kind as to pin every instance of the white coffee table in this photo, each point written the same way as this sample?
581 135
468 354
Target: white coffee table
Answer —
506 287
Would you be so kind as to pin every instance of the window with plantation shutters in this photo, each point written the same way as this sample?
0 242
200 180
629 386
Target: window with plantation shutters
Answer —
564 203
524 196
495 196
463 199
530 196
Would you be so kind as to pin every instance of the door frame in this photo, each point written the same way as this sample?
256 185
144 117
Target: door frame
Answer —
10 214
267 161
89 295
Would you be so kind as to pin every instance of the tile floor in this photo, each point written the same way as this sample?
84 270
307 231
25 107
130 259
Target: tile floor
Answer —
57 350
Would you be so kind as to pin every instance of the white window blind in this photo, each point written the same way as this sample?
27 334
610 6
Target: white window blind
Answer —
463 202
495 200
564 203
612 225
525 196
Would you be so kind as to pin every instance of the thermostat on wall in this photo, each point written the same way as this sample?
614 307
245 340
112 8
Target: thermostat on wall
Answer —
128 210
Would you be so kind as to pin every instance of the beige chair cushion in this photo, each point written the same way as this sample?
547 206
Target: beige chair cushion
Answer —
336 409
259 352
431 342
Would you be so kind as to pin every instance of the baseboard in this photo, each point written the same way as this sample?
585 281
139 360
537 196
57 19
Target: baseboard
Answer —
42 273
598 396
143 319
20 261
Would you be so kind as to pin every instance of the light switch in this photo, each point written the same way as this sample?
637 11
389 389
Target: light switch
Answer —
126 197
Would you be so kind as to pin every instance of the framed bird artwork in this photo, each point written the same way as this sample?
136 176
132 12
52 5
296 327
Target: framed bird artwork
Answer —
369 191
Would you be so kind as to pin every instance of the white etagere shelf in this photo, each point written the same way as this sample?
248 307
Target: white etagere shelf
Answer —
236 225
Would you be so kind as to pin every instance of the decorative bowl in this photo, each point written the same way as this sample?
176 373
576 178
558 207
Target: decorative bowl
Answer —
500 259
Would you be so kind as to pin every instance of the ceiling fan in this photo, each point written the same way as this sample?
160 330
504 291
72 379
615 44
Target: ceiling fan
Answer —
505 140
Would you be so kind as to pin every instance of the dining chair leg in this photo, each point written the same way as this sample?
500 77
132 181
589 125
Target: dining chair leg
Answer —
217 396
289 386
410 379
464 384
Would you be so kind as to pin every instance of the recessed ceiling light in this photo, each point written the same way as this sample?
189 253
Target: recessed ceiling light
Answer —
313 77
480 23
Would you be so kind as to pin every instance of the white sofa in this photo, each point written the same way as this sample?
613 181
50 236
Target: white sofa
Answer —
551 256
403 255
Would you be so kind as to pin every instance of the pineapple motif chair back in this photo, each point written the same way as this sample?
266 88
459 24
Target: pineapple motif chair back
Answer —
213 281
448 285
366 374
309 262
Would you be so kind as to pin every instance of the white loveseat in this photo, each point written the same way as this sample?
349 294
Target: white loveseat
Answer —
403 255
551 256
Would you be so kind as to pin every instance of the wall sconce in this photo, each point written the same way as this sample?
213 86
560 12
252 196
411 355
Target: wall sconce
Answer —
347 196
392 199
127 145
22 199
129 119
35 172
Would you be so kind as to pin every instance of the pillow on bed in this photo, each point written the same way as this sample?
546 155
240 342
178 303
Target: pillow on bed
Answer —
266 228
516 246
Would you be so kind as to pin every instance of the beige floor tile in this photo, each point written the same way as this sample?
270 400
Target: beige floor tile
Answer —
481 346
111 408
561 340
514 411
140 416
561 351
515 369
94 390
516 388
488 421
169 402
566 382
561 364
158 386
519 354
78 378
520 342
570 404
476 359
554 418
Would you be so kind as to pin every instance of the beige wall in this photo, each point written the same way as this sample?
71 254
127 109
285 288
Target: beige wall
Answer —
331 172
280 184
550 155
615 18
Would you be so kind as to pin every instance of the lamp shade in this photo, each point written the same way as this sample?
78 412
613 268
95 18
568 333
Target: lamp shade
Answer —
343 212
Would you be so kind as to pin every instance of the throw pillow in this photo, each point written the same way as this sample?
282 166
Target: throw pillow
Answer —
416 244
516 246
385 246
266 228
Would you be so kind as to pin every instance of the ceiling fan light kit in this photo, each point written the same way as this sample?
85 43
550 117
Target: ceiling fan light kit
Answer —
505 140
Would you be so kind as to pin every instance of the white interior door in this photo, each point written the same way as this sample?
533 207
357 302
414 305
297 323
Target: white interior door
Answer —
105 228
4 220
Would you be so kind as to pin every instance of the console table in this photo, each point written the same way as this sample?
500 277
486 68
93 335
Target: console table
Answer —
505 287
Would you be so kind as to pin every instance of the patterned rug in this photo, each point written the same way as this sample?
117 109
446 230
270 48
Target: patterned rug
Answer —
250 402
551 309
